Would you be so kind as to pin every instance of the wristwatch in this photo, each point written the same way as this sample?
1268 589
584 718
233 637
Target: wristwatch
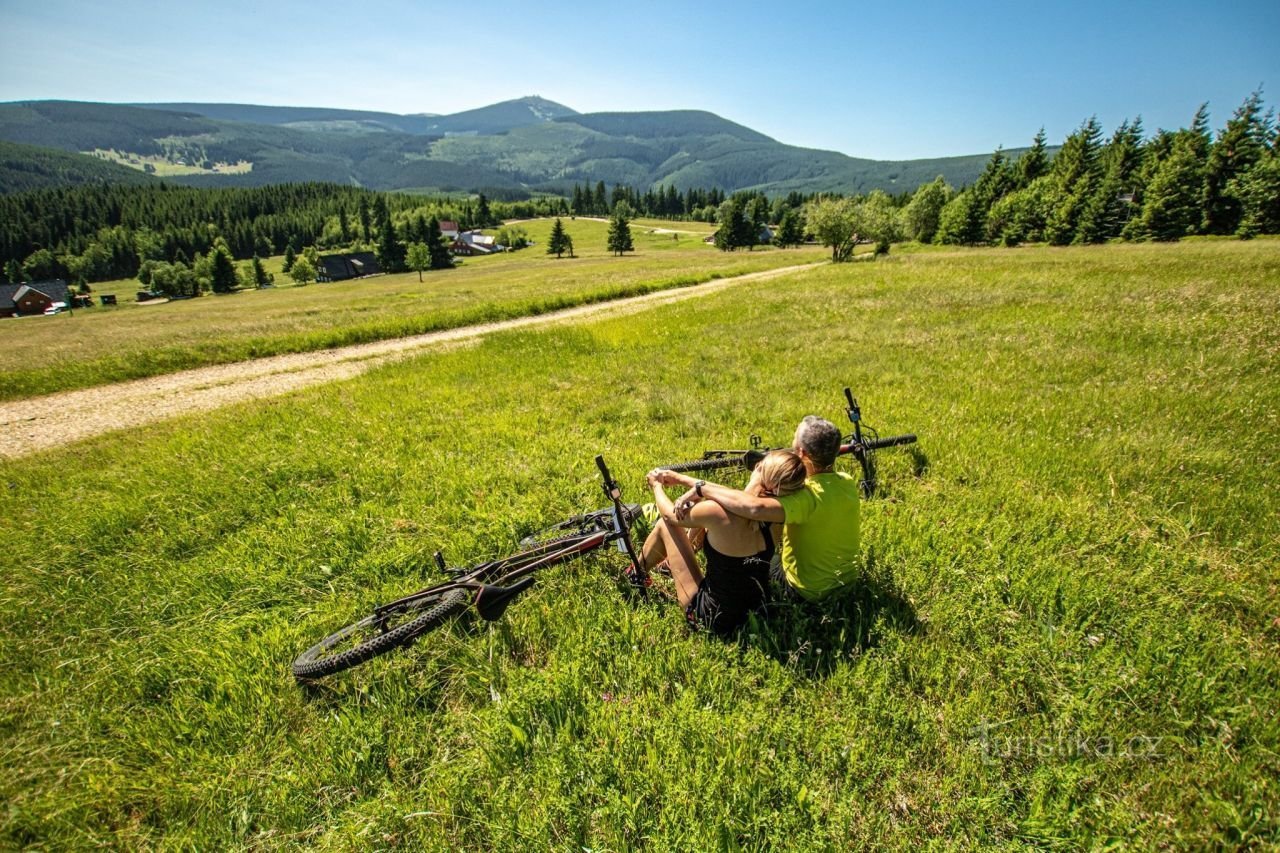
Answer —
697 486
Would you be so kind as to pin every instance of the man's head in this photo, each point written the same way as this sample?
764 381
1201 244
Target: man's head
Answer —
818 443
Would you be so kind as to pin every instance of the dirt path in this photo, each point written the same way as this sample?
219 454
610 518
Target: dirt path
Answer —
29 426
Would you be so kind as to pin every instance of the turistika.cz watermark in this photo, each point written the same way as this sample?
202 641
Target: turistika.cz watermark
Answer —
996 746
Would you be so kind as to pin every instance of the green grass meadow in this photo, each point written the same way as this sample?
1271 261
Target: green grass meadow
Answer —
1067 634
39 355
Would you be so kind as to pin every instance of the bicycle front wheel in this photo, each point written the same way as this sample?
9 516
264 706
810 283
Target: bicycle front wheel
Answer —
375 635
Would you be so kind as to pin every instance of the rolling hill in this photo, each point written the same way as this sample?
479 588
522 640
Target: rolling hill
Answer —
513 147
30 167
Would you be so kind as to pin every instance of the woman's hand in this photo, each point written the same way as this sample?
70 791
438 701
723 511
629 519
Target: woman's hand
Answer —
654 478
672 478
685 504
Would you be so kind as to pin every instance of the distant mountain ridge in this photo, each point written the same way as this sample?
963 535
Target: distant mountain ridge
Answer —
524 145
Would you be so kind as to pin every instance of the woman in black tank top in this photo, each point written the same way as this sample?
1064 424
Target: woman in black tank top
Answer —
737 551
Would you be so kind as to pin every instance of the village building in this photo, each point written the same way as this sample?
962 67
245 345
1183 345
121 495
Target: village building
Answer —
345 266
470 243
449 229
35 297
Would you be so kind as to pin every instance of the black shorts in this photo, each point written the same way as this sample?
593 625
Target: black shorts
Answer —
720 616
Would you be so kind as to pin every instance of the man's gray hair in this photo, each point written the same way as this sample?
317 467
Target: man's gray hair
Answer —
820 440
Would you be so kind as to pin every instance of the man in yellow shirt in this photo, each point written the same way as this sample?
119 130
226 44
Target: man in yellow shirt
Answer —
820 539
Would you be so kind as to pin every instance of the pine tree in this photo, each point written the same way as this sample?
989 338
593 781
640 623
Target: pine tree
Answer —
734 226
556 242
1107 211
997 179
1034 162
390 250
261 277
222 269
363 214
289 258
482 212
438 246
790 232
1239 146
1172 209
1258 193
344 227
619 231
1074 173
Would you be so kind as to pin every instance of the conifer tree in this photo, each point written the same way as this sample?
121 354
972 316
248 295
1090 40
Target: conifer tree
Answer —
790 232
483 216
390 250
1172 208
620 231
289 258
222 269
1074 173
363 215
1238 147
1258 193
1034 162
556 242
1107 211
261 277
438 246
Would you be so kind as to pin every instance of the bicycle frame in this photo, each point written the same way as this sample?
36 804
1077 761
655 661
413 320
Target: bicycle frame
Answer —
478 579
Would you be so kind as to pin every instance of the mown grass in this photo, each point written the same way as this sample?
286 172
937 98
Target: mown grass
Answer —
1067 636
39 355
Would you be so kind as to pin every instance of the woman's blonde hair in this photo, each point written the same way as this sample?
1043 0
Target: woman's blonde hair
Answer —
782 472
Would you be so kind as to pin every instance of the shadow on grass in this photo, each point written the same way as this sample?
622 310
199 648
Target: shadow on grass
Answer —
813 639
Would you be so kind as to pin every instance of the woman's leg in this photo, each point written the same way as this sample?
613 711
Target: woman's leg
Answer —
654 550
681 559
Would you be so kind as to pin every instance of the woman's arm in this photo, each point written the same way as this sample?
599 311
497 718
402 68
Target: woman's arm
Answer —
705 515
734 501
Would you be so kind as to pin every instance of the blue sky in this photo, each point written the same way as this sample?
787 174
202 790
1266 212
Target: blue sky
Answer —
870 80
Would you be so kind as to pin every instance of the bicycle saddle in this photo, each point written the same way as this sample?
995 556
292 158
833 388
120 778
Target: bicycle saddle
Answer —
491 602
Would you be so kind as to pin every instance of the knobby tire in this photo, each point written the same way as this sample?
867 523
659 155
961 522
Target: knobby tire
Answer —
310 664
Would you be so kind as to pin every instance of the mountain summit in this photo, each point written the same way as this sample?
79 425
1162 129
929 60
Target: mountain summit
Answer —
512 147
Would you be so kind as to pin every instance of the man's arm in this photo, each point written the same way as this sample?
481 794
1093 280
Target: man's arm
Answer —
733 500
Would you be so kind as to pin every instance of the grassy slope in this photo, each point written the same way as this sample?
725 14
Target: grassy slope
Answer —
44 354
1087 556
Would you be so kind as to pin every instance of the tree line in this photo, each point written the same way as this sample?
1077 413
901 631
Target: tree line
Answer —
1171 185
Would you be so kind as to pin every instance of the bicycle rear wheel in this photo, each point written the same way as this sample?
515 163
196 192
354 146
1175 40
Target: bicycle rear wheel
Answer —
375 635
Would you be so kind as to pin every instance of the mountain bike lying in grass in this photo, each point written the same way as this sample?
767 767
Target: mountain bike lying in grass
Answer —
861 444
491 586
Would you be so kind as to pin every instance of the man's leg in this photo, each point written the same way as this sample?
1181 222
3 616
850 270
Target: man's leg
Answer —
681 560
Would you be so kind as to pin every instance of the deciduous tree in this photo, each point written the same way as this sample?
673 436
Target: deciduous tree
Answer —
418 258
302 272
831 220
